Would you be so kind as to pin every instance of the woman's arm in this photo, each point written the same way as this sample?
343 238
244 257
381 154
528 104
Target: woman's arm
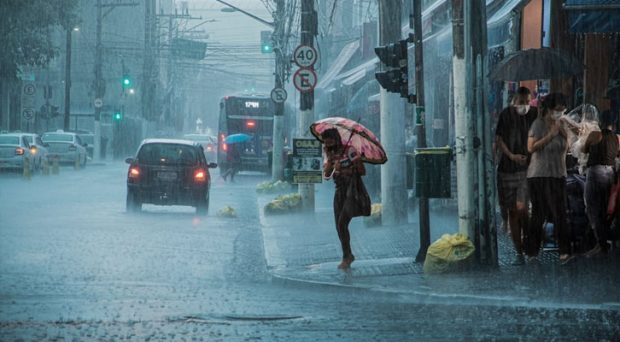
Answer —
534 144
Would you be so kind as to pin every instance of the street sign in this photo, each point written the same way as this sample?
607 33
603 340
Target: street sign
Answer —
278 95
98 103
304 80
305 56
307 161
28 113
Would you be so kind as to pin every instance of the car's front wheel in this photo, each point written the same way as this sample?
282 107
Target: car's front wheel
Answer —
133 204
202 207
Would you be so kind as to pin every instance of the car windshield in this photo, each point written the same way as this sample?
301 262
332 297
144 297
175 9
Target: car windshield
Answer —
8 140
167 154
28 138
57 137
87 139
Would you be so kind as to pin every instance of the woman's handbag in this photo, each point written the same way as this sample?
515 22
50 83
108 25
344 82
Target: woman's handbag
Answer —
358 200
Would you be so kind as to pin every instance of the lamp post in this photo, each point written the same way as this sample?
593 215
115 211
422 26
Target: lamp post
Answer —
67 116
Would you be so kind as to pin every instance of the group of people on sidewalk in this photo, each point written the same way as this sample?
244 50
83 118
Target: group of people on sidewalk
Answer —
533 144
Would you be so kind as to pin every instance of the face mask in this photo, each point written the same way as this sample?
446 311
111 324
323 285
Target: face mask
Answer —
522 109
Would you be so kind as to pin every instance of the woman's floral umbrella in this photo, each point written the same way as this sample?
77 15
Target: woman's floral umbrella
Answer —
353 134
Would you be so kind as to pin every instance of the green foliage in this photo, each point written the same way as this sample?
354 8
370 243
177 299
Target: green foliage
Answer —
26 30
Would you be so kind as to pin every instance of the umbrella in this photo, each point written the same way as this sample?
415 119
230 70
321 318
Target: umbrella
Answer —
237 138
536 64
353 134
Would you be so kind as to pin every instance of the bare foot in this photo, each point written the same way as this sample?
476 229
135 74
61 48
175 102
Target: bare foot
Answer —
346 262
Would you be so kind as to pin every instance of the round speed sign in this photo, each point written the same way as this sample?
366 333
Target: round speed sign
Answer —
305 56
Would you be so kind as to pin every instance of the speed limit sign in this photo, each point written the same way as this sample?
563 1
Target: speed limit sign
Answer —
305 56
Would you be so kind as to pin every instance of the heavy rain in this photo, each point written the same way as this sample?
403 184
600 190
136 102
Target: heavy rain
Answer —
309 170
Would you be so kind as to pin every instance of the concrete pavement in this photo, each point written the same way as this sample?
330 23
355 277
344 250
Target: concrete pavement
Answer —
305 248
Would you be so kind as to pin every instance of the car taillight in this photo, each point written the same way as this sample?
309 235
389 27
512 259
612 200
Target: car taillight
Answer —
134 172
72 148
19 151
209 148
200 175
225 147
250 124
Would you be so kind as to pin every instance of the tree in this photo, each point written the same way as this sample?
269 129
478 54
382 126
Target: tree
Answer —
25 32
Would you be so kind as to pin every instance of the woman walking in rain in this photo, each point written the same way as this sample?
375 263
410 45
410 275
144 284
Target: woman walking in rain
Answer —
602 149
345 165
546 176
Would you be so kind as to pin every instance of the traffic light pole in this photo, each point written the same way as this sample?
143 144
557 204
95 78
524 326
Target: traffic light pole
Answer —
66 119
392 117
425 230
306 99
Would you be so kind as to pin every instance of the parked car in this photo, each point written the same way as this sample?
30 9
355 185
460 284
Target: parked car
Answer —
88 139
208 142
67 145
169 172
38 148
14 149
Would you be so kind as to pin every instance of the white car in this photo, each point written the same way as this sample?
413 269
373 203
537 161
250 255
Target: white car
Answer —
208 142
38 148
14 149
67 145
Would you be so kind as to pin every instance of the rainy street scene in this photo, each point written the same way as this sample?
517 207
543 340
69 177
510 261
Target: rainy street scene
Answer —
310 170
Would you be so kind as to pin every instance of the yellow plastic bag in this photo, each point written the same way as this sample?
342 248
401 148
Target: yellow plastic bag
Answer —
449 253
227 211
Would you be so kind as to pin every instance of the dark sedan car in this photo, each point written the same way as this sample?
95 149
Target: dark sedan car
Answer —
169 172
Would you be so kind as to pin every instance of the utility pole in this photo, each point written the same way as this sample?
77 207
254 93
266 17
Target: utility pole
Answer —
464 126
149 69
306 99
277 169
425 230
99 83
485 238
393 179
66 122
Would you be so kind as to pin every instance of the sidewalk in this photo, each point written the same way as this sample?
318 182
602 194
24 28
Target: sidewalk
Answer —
305 248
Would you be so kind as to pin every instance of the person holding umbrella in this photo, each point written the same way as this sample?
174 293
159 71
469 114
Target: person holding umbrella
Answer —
546 176
344 162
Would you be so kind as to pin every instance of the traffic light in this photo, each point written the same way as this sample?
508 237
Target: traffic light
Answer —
395 78
266 45
126 81
117 116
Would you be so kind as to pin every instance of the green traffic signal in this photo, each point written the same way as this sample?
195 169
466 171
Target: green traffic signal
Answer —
266 48
118 116
126 81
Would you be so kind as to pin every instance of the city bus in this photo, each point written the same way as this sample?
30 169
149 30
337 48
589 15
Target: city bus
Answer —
251 115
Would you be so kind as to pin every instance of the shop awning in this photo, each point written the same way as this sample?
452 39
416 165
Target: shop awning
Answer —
593 16
339 63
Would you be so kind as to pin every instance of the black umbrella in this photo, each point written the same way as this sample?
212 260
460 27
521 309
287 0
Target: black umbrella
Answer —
536 64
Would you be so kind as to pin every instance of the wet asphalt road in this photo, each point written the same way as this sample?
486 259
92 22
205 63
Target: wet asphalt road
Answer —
75 266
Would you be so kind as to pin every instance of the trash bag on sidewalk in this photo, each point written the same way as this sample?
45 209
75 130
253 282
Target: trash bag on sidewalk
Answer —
449 253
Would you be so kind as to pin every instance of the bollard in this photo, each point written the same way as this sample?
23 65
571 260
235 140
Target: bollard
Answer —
45 168
55 166
76 165
26 164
